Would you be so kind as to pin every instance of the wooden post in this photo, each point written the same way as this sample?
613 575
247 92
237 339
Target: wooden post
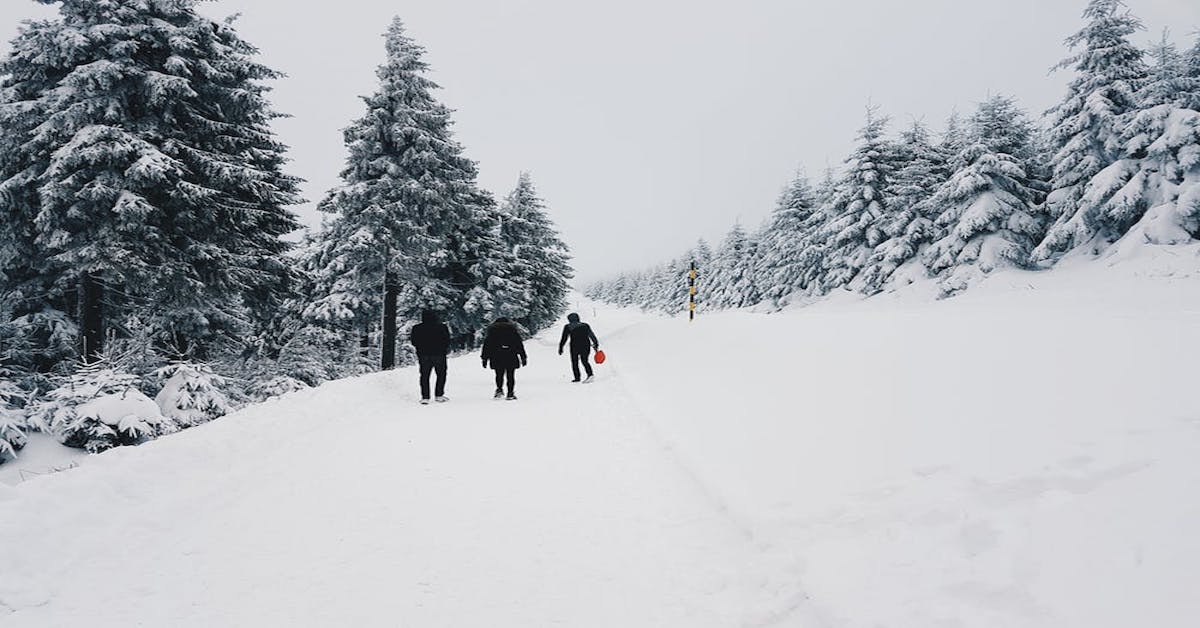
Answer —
692 293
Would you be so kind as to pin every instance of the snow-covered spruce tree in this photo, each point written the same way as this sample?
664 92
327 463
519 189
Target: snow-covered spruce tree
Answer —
730 283
1191 73
12 417
1086 128
407 211
191 394
854 224
99 407
909 225
146 158
1152 193
541 262
780 264
987 207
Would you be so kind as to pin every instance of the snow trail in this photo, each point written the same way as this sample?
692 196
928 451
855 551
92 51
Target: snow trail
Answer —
353 505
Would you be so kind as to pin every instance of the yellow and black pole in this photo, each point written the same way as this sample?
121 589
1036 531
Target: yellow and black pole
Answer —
692 293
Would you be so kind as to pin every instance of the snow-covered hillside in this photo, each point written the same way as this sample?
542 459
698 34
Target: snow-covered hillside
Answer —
1023 455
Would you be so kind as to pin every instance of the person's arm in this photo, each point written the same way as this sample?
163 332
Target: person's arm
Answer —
521 351
444 337
566 334
592 335
487 349
412 335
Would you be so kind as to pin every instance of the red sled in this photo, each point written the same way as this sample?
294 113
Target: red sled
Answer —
600 357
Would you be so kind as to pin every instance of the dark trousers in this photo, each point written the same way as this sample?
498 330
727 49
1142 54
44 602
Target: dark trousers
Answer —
428 364
581 356
509 374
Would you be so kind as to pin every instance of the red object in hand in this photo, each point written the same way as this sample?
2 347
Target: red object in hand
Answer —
600 357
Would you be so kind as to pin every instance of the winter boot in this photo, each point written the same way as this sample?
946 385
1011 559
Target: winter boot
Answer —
424 402
441 399
499 394
511 397
589 379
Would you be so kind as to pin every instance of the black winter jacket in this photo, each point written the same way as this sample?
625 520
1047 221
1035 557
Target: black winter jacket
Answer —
581 336
430 337
502 347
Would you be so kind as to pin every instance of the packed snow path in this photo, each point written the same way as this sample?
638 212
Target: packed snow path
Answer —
352 505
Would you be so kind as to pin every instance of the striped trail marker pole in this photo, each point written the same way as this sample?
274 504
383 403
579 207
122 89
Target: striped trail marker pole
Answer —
692 293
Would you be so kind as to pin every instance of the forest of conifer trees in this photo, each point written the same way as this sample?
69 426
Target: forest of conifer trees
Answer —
146 284
1115 165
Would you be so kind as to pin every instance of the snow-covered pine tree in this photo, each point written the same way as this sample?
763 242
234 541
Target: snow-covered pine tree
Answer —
541 261
779 268
730 283
191 394
910 222
1152 193
144 154
99 407
1191 73
987 206
12 417
1086 128
408 215
854 223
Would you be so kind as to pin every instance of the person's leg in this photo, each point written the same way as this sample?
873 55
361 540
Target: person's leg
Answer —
425 367
440 367
499 379
575 364
587 365
511 373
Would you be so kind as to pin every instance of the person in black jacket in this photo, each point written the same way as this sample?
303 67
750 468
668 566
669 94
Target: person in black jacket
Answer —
431 338
503 348
583 340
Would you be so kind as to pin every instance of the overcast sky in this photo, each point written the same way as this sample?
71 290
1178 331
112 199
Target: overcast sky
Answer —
648 124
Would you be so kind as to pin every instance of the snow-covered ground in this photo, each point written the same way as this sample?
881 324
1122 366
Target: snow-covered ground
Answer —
1025 455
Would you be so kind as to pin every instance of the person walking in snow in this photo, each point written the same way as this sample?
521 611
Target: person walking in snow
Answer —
504 350
583 340
431 338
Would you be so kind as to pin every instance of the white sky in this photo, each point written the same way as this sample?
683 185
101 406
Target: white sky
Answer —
650 123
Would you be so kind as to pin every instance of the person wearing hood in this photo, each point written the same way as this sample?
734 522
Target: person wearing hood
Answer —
431 338
504 350
583 340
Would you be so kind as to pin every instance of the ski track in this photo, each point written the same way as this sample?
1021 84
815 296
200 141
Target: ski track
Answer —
353 505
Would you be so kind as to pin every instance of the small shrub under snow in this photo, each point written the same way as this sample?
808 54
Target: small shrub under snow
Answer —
191 394
100 407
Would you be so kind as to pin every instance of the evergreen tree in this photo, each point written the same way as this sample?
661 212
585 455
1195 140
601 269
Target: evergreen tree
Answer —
1086 128
408 214
910 222
780 264
854 226
141 149
1153 191
12 418
540 260
987 206
731 281
1191 73
191 394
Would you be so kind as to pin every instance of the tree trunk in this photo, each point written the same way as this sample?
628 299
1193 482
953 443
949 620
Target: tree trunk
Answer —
92 318
391 293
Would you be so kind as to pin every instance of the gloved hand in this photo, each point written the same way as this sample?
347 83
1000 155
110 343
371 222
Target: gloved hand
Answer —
524 361
484 362
560 351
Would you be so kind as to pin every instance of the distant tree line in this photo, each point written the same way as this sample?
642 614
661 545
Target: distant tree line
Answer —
1116 163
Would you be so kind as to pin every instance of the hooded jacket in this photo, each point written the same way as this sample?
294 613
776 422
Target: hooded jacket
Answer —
502 347
582 338
430 337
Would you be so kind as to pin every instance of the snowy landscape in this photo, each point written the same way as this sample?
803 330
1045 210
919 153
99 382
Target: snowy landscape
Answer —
948 381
